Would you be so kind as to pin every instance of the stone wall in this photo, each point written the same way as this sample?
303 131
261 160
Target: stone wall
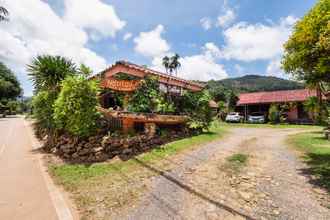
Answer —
101 148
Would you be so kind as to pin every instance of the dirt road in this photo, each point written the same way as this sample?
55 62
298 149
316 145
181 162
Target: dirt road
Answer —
271 186
24 193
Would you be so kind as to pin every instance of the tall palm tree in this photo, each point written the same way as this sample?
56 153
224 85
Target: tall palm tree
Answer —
3 14
46 72
175 64
166 63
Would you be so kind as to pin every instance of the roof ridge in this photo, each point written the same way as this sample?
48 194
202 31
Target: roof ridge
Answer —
287 90
124 62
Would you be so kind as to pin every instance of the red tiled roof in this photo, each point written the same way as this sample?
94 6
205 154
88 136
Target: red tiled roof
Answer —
153 72
275 96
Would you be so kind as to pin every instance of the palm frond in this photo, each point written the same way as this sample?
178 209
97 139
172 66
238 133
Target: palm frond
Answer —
3 14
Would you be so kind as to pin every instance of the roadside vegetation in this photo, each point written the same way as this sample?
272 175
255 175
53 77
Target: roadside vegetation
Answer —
118 184
236 162
316 151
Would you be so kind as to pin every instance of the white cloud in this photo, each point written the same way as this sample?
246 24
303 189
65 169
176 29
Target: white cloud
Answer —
34 29
249 42
200 66
127 36
274 68
151 43
206 23
227 18
98 18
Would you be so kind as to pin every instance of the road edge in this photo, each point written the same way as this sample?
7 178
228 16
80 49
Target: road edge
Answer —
58 197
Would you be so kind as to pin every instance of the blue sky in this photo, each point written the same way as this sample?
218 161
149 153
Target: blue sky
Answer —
216 39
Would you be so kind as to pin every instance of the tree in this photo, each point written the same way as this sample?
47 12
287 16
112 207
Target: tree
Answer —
273 114
196 106
174 64
9 85
47 72
166 63
42 104
85 70
148 98
232 100
307 52
3 14
75 108
311 106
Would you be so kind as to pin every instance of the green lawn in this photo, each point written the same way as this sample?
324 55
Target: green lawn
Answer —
270 125
119 183
316 154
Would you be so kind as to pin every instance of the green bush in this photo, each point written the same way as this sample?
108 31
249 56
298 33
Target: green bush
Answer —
75 108
196 106
42 104
149 98
273 114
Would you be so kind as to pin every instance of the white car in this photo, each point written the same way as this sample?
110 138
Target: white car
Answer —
256 117
234 117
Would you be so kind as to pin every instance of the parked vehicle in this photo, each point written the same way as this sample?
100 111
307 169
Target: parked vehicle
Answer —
234 117
257 117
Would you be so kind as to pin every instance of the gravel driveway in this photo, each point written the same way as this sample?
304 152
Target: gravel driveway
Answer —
271 186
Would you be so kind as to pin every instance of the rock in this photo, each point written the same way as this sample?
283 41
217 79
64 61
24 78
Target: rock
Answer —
246 195
276 212
84 151
98 149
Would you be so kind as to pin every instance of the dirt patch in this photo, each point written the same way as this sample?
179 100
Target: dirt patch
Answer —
268 186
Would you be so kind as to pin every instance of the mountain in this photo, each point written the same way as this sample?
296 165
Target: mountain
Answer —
254 83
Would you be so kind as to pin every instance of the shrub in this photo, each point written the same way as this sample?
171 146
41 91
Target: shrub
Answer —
42 104
196 106
75 108
149 98
273 114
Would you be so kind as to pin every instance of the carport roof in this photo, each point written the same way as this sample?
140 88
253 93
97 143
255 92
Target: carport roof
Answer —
275 96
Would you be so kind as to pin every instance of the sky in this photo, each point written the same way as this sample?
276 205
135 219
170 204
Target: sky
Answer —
216 39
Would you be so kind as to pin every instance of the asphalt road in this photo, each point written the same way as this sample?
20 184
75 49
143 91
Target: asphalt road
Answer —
23 190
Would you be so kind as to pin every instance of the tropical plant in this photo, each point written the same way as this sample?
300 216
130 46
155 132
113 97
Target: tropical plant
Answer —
42 104
174 64
85 70
232 100
166 63
171 64
47 72
311 105
306 54
196 106
3 14
75 108
148 98
13 106
273 114
9 86
222 110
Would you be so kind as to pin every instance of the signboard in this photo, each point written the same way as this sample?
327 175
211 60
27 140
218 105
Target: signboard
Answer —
120 85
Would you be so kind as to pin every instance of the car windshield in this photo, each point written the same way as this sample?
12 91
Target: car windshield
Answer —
257 114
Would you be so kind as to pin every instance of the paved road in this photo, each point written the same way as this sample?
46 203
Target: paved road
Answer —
23 192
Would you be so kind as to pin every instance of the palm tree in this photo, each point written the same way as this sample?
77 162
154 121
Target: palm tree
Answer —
84 70
175 64
166 62
3 14
46 72
311 105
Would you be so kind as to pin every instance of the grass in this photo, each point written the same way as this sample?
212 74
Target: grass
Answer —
271 125
316 151
118 184
235 162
